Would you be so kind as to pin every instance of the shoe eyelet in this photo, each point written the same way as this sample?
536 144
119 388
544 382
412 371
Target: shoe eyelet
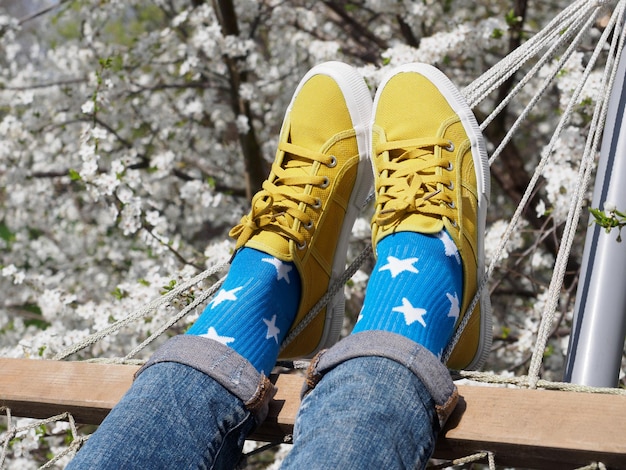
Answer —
450 186
453 223
317 204
325 183
301 246
451 205
308 226
450 166
449 147
333 162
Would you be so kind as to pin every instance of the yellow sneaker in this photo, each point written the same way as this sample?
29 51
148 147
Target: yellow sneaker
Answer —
431 172
319 181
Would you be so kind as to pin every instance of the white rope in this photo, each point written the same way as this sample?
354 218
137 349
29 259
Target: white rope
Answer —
502 69
199 300
524 381
477 457
330 293
546 83
142 312
77 442
587 164
12 431
533 183
493 78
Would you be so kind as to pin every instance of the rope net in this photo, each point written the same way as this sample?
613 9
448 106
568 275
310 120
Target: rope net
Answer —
572 40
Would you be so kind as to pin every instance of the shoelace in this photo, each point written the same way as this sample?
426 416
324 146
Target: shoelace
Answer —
411 182
276 206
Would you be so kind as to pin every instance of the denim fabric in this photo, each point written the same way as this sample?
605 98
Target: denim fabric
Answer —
223 364
374 400
367 413
414 357
173 416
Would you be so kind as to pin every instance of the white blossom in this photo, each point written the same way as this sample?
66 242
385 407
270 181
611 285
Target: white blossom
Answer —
540 209
106 183
246 91
361 228
164 161
324 50
243 124
494 238
131 217
562 179
610 206
88 107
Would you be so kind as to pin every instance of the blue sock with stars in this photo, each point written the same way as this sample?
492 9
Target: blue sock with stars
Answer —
415 289
254 309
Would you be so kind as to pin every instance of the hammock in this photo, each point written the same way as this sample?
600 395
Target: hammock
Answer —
543 56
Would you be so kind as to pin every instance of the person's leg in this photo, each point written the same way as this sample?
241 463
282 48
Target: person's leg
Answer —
180 416
202 393
378 398
374 400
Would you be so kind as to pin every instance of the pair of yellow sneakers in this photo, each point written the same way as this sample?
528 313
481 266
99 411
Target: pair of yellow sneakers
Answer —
430 172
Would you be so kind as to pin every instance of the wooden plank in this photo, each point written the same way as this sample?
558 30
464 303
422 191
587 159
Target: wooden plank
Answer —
538 428
283 409
528 428
40 389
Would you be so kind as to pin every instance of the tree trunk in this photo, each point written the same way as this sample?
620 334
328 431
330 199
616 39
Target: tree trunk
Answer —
255 168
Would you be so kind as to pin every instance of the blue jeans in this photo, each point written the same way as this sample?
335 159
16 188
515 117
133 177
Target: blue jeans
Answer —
374 400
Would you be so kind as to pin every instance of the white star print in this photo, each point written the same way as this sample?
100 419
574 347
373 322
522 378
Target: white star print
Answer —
395 266
282 269
272 331
454 306
224 295
212 334
449 246
411 314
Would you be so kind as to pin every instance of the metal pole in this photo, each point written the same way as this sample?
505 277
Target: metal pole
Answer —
599 328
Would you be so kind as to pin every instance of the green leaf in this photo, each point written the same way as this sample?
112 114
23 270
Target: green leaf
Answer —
105 62
512 19
74 175
169 287
506 331
549 351
6 234
119 294
615 219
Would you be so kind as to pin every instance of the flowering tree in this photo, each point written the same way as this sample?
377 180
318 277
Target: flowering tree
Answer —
134 133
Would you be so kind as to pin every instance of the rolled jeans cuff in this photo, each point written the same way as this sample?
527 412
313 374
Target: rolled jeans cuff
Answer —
419 360
231 370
